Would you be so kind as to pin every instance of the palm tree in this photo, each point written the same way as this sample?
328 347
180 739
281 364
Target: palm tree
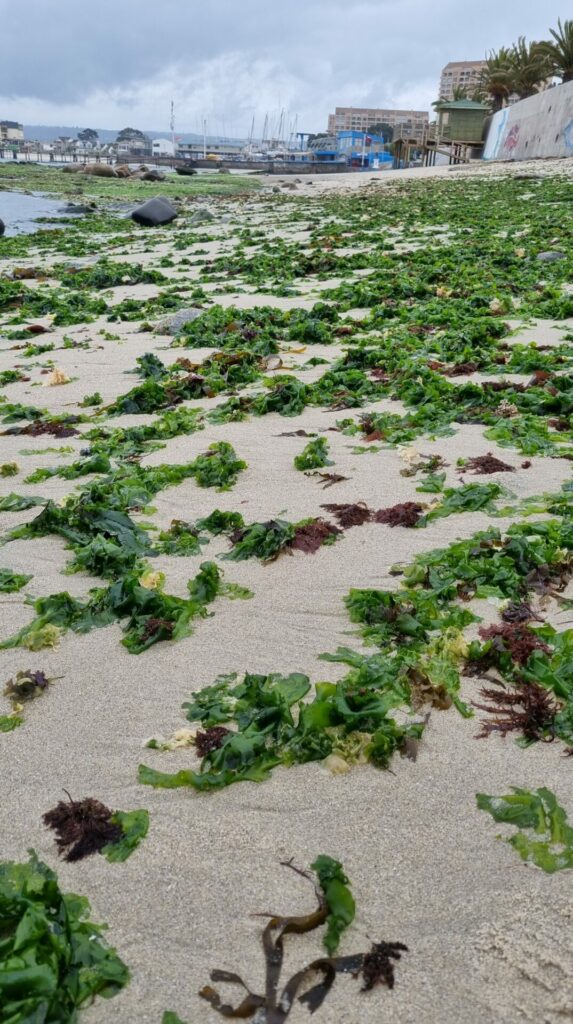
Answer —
560 52
529 66
496 79
459 93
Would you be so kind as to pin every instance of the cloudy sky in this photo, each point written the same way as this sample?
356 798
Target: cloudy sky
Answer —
117 62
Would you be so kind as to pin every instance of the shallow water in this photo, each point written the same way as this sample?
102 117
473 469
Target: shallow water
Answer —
19 212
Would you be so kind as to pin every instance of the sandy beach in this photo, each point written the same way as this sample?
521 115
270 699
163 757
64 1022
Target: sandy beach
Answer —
489 938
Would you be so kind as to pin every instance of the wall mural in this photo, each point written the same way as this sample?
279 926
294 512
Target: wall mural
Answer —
540 126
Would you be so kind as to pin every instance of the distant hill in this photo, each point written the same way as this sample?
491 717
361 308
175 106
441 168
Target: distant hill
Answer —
48 132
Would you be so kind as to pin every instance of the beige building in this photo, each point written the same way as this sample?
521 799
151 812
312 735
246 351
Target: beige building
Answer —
460 74
11 131
360 119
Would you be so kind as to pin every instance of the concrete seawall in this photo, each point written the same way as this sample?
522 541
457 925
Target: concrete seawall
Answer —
541 126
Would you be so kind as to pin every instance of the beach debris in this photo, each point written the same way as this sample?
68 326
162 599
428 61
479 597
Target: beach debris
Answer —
327 479
406 513
154 213
295 433
544 836
27 685
57 377
87 826
58 965
9 469
335 908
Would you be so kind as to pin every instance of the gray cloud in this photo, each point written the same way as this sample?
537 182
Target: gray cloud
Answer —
227 60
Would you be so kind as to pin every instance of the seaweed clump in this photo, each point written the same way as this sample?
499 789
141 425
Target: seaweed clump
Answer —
335 909
527 709
82 827
405 514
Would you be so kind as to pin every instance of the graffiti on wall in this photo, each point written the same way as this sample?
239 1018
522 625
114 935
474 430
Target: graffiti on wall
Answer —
537 127
512 139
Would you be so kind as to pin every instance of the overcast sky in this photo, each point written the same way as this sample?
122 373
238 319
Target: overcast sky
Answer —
114 63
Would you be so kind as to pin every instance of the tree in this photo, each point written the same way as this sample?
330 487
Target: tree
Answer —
459 93
383 129
128 134
88 135
496 79
559 52
529 67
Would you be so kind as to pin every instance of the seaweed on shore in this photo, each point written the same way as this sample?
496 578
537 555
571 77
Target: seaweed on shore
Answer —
407 513
84 827
335 909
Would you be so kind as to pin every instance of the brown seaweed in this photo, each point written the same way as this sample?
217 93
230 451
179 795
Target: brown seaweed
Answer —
374 967
513 638
348 515
82 827
309 537
527 708
210 739
405 514
487 464
327 479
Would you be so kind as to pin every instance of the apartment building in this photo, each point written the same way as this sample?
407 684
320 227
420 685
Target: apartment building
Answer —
11 131
359 119
460 74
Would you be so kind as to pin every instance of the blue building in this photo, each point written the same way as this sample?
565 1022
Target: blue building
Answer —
363 150
355 149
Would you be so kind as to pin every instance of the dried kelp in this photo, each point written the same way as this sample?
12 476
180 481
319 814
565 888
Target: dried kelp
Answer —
327 479
333 897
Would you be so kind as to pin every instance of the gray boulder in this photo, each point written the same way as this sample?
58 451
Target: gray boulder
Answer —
173 324
154 212
201 217
550 257
2 228
152 176
100 170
